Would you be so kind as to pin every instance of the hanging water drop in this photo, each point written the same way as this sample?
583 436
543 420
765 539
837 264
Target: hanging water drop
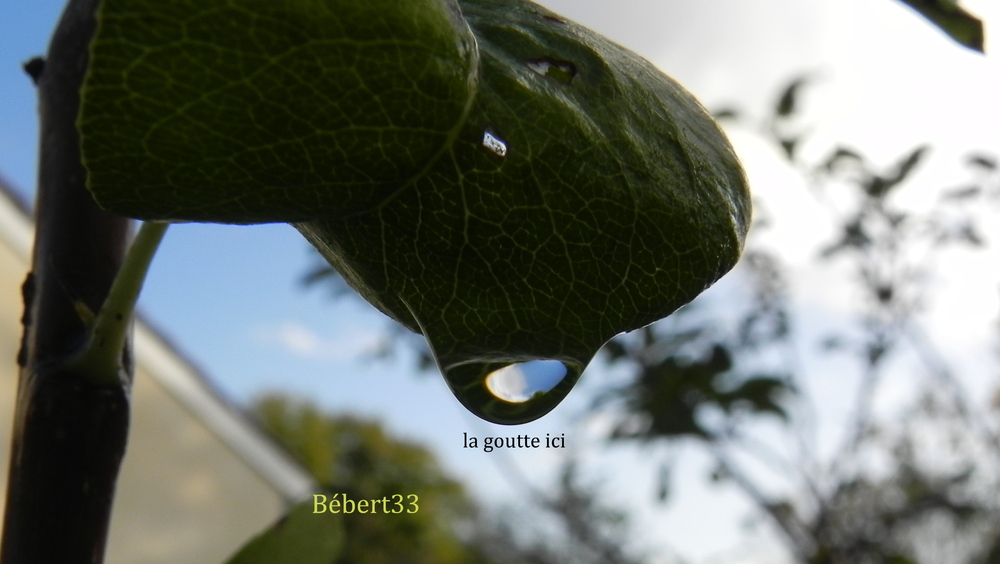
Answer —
494 144
511 393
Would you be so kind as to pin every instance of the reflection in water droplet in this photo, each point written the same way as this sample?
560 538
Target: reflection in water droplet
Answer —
511 393
494 144
563 71
518 383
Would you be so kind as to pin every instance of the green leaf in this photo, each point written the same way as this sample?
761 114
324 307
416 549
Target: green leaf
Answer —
879 186
565 190
965 28
262 111
616 201
985 162
788 101
760 394
842 157
301 537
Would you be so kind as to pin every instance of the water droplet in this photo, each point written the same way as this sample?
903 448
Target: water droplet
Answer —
563 71
511 393
520 382
494 144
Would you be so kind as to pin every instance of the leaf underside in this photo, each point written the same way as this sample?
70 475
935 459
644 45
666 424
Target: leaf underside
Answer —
553 190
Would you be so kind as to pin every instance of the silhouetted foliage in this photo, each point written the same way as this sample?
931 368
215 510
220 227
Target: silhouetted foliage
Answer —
913 489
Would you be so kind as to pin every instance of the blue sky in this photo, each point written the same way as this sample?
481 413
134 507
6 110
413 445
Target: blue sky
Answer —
230 297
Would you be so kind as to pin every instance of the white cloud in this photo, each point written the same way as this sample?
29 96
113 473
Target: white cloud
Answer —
302 341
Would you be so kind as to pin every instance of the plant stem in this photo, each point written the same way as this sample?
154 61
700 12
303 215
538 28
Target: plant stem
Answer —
69 433
100 360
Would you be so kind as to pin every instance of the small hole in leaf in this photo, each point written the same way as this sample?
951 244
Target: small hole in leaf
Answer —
562 71
494 144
